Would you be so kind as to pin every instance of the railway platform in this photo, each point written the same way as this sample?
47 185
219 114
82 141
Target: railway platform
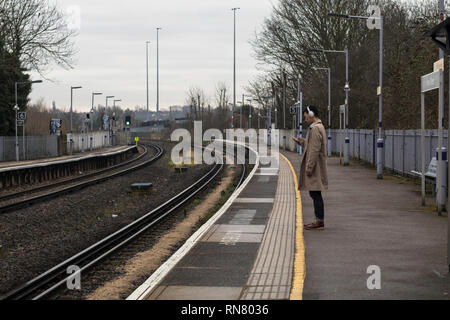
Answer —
256 249
244 252
26 172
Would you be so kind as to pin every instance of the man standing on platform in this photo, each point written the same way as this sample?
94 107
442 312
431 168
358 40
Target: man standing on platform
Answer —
313 165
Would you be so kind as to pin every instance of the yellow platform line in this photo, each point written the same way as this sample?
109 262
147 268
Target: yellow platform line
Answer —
299 259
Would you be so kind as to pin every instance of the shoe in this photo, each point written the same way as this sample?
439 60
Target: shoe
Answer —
309 224
316 225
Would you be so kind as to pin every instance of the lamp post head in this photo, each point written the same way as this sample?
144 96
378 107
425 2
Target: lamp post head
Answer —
440 35
36 81
97 93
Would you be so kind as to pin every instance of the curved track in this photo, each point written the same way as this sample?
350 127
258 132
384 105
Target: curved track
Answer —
71 185
53 279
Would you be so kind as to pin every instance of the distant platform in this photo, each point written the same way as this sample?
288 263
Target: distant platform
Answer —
8 166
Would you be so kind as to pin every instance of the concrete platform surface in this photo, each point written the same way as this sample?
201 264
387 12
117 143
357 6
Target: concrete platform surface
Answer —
247 253
370 222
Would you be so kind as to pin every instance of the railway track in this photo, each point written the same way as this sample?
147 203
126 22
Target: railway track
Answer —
7 203
55 278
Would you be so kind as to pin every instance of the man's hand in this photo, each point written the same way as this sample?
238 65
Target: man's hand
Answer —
309 174
298 140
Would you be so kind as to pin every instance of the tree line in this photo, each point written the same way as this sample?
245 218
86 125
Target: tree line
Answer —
34 35
282 49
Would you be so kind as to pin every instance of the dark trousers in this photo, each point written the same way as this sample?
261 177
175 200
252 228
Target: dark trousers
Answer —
318 204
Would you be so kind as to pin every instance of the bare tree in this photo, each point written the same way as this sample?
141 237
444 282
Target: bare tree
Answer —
296 26
197 100
37 33
222 95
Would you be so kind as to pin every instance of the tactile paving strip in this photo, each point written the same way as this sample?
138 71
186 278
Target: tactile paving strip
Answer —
271 275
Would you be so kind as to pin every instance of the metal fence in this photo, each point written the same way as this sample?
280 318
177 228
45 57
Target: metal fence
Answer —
36 147
401 150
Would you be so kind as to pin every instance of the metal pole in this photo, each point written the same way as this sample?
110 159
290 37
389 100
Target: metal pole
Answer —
347 139
284 111
92 124
422 145
243 103
300 114
380 142
23 140
148 110
259 119
448 188
71 125
16 107
234 67
440 199
441 56
275 103
82 136
157 75
329 112
269 124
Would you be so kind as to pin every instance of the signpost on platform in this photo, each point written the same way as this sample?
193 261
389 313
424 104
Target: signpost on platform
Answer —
21 117
429 82
440 35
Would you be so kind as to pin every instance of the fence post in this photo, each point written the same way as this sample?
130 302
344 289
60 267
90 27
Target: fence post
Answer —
373 147
393 148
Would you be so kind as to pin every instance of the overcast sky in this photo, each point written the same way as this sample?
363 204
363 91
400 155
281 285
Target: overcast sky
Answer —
196 49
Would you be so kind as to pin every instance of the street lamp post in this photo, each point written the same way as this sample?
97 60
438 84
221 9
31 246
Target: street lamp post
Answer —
234 67
380 142
71 123
347 89
300 113
259 113
250 113
241 114
148 110
92 119
109 126
329 108
157 75
16 109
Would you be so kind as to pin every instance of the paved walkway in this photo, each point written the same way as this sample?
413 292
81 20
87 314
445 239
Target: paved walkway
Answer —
247 253
271 276
373 222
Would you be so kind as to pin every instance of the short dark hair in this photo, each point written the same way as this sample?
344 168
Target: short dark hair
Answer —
313 109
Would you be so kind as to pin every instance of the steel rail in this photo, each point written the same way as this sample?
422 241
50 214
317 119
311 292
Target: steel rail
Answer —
53 194
34 289
71 180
